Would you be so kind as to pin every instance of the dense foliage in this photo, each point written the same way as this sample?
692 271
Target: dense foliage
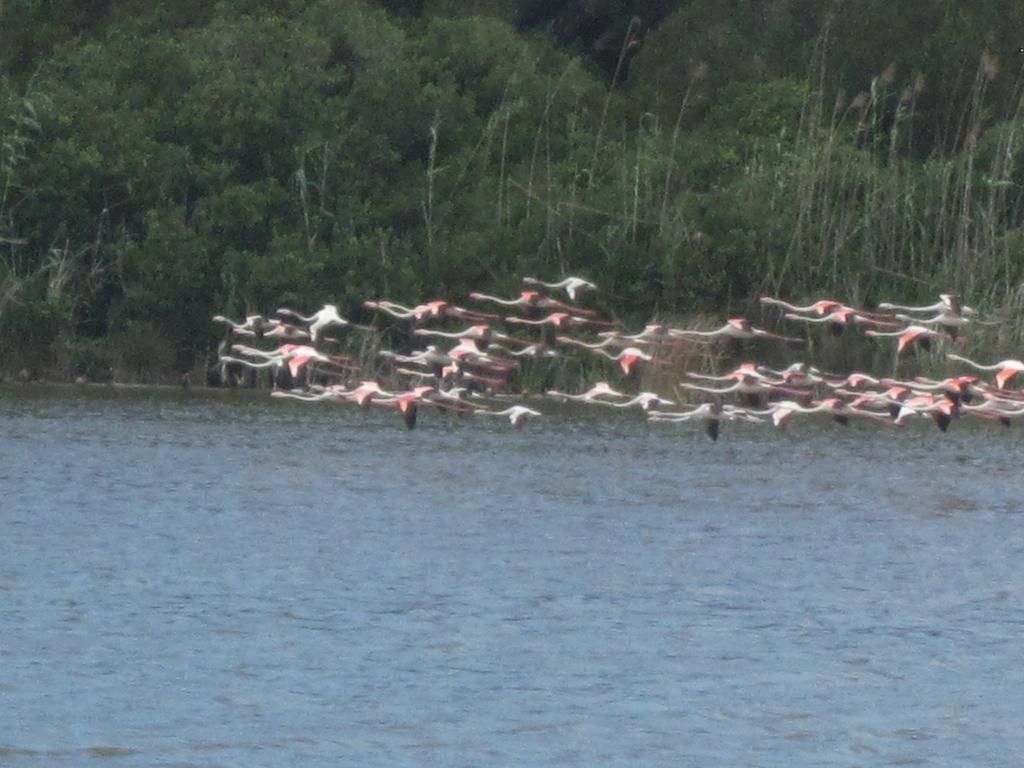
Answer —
163 162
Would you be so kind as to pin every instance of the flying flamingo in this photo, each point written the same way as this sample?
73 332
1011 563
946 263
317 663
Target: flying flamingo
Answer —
822 307
627 358
391 308
574 286
558 320
533 300
321 319
990 409
798 375
253 325
941 409
952 323
947 302
909 336
737 374
646 401
609 339
539 349
959 389
839 319
296 356
738 328
600 389
853 381
751 387
437 309
1007 368
432 310
286 332
712 414
517 414
467 351
652 334
482 333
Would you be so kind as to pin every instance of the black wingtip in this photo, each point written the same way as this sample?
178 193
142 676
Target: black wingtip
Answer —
711 428
410 416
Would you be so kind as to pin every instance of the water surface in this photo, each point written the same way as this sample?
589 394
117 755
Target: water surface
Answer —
225 580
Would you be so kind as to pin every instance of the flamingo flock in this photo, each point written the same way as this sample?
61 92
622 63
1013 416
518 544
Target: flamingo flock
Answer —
467 361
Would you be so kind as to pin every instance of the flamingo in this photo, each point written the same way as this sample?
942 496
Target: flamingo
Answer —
610 339
712 414
783 410
458 372
366 392
533 350
431 310
645 400
940 409
656 334
909 336
306 396
1007 368
838 320
437 309
296 356
737 374
533 300
517 414
627 358
558 320
286 332
253 325
853 381
948 302
391 308
751 387
323 318
408 404
600 389
822 307
481 333
990 409
467 351
574 286
738 328
958 389
429 357
952 323
798 375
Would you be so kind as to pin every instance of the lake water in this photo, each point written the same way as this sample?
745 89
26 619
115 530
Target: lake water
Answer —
222 579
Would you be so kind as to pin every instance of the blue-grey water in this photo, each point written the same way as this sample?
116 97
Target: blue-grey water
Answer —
230 580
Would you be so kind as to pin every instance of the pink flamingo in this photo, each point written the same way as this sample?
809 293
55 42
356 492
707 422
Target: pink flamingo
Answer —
1007 369
910 336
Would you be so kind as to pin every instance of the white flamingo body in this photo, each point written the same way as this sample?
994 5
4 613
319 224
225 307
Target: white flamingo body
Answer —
573 286
325 317
599 390
517 414
737 328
